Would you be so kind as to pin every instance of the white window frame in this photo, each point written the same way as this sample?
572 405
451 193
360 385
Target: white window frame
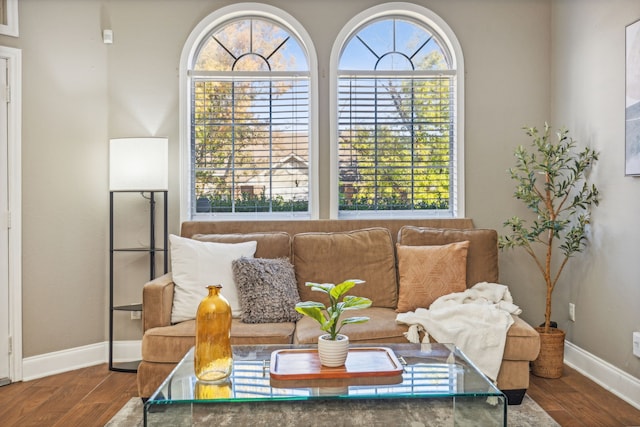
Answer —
189 51
439 26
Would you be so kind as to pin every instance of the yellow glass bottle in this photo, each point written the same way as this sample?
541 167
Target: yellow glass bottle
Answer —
213 359
211 391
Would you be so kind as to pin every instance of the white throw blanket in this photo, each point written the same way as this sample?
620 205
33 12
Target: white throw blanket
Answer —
475 320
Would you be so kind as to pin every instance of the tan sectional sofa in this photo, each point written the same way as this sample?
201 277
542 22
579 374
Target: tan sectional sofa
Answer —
331 251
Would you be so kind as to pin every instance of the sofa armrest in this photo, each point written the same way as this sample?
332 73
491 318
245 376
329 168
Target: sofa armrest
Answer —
157 300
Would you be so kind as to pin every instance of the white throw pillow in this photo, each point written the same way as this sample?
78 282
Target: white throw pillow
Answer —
196 265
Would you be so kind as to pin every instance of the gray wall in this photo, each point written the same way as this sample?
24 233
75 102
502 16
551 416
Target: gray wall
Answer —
588 74
64 153
78 93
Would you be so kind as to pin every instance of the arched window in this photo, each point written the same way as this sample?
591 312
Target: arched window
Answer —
398 137
249 116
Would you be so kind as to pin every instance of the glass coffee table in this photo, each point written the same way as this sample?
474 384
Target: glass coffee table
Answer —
435 385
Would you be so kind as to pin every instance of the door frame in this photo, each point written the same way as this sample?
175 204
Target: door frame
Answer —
14 187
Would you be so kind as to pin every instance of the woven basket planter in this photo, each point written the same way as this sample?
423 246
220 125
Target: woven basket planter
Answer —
550 360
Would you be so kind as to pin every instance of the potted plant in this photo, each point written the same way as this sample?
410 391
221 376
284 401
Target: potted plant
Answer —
333 347
552 181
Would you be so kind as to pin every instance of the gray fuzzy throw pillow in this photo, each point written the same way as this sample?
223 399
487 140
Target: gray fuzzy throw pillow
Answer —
267 289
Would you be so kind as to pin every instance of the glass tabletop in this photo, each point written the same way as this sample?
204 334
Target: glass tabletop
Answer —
428 370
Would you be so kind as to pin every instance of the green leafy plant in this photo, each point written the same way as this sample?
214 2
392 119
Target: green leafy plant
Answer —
551 180
329 317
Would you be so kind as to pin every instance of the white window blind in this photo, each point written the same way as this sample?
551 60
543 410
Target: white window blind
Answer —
251 143
396 134
396 104
250 115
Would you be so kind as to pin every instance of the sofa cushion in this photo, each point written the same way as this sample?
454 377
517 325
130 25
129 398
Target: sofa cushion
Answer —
381 327
513 375
261 333
335 257
482 257
267 288
269 245
169 344
523 341
428 272
196 265
150 375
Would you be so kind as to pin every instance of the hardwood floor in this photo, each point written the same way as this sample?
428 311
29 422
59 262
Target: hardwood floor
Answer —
575 400
91 396
85 397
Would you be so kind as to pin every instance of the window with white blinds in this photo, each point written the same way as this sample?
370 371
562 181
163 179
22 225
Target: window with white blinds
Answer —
396 105
250 98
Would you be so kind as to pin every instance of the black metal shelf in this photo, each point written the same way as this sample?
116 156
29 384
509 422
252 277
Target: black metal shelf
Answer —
138 250
125 366
152 250
128 307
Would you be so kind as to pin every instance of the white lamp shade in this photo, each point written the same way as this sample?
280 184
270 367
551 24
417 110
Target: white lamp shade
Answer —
138 164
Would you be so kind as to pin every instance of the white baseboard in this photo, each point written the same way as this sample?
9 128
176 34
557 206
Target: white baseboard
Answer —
57 362
126 351
615 380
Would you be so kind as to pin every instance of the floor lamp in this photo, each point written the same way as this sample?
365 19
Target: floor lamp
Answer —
136 165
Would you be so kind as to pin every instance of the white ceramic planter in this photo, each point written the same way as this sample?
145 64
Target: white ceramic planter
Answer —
333 353
330 391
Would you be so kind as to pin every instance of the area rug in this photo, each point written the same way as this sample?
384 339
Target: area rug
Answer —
528 414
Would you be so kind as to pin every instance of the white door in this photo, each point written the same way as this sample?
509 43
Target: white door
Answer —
4 231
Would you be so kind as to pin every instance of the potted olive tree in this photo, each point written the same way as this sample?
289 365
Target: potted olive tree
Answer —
333 347
551 180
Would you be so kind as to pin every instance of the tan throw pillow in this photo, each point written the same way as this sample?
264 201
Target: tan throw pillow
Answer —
429 272
482 257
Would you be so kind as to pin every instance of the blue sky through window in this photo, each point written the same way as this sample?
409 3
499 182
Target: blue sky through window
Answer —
392 44
255 42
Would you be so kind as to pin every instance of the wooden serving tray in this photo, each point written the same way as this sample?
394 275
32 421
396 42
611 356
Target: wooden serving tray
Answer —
304 364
